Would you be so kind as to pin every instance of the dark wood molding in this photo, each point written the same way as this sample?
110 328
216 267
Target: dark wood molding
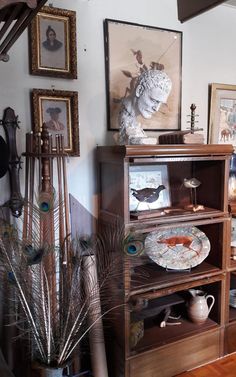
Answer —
30 3
15 16
191 8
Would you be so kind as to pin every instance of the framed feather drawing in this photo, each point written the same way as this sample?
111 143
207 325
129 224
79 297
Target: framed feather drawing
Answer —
141 48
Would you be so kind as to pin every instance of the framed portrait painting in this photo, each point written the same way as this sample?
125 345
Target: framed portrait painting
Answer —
222 116
142 48
58 109
52 36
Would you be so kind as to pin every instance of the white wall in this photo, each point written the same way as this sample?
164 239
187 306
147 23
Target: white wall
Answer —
209 55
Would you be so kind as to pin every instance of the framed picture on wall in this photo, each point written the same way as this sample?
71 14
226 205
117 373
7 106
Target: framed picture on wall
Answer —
141 48
52 36
58 109
222 117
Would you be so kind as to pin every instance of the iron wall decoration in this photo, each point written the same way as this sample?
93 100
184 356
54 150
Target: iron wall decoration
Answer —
4 157
10 124
58 109
52 37
140 48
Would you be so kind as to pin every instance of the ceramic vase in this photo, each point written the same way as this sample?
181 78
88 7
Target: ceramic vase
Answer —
53 372
198 309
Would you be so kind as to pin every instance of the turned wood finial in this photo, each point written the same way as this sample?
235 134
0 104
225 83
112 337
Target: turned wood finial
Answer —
192 124
193 120
46 176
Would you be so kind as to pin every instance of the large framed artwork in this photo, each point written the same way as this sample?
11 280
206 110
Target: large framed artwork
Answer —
52 37
140 48
222 117
58 109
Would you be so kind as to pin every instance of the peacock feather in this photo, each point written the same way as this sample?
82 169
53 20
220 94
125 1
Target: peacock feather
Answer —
134 244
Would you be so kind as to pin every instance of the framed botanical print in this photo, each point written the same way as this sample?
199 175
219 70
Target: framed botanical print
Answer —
222 117
52 37
130 49
58 109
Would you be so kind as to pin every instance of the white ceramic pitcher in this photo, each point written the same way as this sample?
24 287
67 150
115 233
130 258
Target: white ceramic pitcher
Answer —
198 309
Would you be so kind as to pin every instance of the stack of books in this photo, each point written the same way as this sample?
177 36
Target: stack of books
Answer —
181 137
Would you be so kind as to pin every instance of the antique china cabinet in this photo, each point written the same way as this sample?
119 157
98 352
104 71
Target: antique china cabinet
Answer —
146 342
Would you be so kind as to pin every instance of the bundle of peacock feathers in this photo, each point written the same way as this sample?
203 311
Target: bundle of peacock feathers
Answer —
64 287
61 294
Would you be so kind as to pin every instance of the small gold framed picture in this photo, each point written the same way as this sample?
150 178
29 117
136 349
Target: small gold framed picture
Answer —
52 37
58 110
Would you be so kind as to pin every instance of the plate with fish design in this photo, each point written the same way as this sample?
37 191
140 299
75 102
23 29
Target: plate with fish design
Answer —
177 248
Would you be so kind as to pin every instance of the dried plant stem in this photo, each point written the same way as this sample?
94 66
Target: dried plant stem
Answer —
25 304
78 322
59 174
67 222
49 318
68 312
88 329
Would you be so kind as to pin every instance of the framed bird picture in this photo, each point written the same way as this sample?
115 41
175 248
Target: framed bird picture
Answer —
148 187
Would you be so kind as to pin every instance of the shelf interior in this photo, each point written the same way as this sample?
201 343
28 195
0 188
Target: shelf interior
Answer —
152 275
157 337
165 319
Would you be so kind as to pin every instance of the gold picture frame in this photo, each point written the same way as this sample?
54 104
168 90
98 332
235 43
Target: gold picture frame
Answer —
222 114
58 109
52 39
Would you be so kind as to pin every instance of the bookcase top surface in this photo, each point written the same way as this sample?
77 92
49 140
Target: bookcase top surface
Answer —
167 149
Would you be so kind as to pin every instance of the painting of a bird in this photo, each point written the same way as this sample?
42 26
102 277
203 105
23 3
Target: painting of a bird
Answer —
147 194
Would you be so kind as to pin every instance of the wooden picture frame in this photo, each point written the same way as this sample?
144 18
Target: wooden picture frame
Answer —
148 176
142 47
52 37
222 114
58 109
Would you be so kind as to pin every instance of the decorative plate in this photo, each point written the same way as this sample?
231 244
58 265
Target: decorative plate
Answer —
178 248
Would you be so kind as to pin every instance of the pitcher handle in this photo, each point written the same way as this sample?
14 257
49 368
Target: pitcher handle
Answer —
213 301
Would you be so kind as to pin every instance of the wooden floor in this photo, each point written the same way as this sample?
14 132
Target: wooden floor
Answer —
225 367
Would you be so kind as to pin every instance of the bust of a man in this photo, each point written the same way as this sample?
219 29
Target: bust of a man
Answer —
152 89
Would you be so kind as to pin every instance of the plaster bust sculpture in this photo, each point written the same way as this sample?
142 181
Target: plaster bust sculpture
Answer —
152 89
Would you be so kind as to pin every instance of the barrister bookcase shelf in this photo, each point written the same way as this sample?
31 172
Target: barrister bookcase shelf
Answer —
139 346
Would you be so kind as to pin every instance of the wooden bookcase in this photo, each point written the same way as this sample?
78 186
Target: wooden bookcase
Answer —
148 287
